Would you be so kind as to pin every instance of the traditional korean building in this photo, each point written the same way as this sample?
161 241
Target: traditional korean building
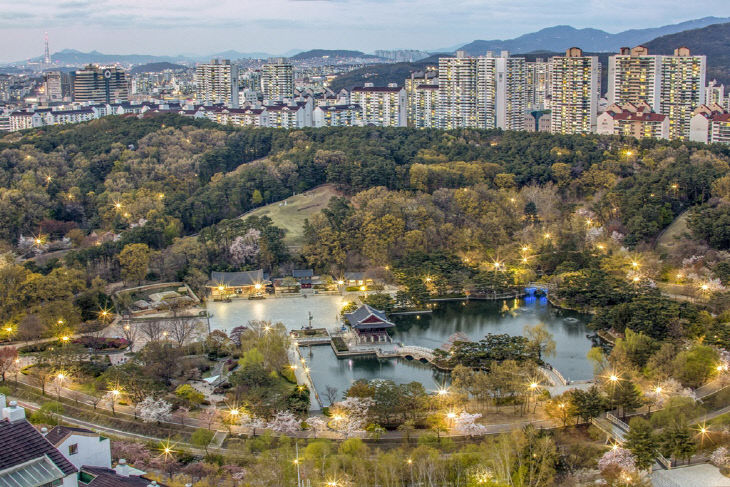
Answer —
224 285
369 324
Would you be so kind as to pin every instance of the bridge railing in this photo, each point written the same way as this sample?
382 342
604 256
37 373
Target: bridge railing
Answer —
595 422
617 422
661 459
426 352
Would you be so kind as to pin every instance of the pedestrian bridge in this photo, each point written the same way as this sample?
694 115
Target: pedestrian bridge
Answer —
410 352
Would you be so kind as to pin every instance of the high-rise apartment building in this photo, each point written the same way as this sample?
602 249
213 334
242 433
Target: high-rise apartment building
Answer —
485 92
509 83
425 106
217 82
277 80
100 84
672 85
538 84
381 106
418 78
715 94
457 95
682 89
575 92
53 85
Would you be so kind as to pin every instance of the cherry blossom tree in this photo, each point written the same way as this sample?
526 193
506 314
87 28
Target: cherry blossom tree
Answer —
668 389
350 416
284 422
466 424
618 457
721 457
245 248
317 424
152 409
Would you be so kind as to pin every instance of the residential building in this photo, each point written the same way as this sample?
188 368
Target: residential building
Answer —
26 457
81 446
575 92
417 78
425 106
100 85
53 85
672 85
715 94
710 124
217 82
458 106
381 106
484 92
277 80
538 84
537 121
337 116
636 120
633 77
682 89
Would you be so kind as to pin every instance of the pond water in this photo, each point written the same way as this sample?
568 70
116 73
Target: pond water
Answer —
474 319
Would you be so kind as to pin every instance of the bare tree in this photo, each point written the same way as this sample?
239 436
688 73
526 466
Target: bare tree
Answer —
151 329
128 330
182 329
331 393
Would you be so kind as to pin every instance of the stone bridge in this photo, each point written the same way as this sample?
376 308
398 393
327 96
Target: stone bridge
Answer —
422 354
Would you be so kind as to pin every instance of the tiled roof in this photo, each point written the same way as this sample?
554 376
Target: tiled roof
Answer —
107 477
21 443
639 117
377 89
366 317
235 279
302 273
59 433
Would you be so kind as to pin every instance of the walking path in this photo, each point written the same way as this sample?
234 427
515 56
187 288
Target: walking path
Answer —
303 376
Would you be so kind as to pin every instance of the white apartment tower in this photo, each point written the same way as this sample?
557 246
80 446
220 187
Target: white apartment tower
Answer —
457 94
682 89
277 80
672 85
381 106
217 82
575 92
538 84
484 92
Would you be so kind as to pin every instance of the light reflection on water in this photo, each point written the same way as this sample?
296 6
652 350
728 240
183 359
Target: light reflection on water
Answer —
474 319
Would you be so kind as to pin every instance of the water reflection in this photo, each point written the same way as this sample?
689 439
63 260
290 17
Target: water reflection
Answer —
475 319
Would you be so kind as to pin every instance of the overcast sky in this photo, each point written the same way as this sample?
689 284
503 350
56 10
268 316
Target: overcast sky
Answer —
276 26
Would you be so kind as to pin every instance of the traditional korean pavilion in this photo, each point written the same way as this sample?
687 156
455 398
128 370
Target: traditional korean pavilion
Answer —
370 324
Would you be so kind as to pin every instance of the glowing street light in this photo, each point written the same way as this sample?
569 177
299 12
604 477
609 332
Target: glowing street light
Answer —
635 264
546 236
65 338
613 378
257 286
451 415
340 282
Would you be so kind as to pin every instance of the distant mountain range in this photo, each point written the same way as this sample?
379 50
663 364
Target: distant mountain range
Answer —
156 67
713 41
562 37
340 53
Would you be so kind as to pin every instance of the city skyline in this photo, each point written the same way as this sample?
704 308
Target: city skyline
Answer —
199 27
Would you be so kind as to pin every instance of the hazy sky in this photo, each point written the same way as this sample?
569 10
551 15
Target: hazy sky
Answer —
275 26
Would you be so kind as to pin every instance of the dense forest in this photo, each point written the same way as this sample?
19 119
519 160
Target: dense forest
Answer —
159 199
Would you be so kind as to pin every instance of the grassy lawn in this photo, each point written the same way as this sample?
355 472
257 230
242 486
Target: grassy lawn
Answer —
673 233
298 208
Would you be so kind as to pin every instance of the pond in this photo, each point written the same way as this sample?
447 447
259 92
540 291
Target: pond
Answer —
474 319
